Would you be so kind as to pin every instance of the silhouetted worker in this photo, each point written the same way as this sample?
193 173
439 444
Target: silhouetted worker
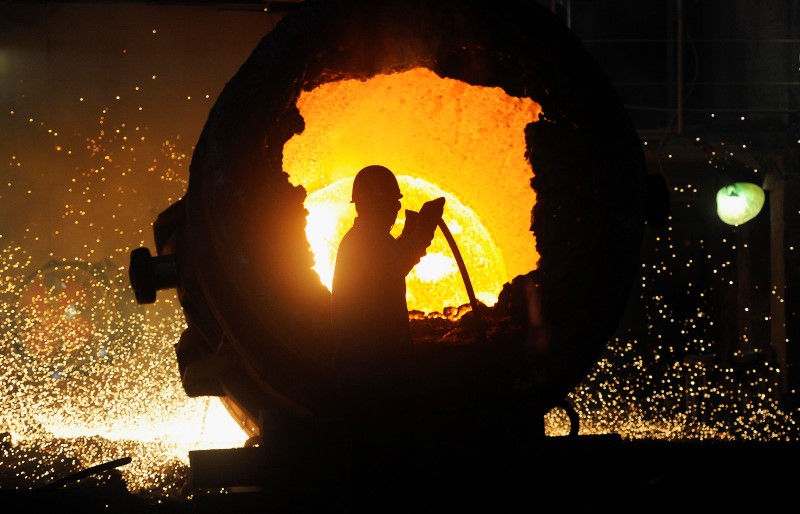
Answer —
370 323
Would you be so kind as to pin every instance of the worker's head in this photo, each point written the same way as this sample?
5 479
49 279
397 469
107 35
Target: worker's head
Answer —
376 193
374 184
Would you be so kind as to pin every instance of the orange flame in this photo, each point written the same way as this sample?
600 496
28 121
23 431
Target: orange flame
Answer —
442 137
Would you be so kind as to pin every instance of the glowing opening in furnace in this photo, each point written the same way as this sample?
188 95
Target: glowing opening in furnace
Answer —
441 137
331 215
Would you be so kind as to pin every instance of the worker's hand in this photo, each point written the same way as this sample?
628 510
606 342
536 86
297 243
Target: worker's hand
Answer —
429 216
431 212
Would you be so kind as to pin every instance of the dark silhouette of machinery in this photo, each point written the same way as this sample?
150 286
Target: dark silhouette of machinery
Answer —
234 246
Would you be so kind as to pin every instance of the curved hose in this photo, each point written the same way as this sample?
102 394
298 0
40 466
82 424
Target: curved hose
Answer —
464 275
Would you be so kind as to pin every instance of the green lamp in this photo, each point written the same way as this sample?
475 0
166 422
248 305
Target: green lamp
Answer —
739 202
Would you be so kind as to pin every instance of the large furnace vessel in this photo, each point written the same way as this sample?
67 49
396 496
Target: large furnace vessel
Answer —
236 250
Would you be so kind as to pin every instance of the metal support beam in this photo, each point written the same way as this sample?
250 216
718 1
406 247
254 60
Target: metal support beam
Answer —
775 188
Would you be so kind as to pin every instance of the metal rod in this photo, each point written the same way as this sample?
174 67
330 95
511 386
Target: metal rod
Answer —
777 222
74 477
464 275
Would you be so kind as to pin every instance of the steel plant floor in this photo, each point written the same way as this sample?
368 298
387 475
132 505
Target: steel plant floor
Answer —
573 474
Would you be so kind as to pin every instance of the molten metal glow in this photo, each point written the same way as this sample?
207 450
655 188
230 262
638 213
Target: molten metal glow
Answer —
442 137
434 267
331 215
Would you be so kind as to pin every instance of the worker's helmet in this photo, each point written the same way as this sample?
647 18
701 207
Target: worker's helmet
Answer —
374 184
